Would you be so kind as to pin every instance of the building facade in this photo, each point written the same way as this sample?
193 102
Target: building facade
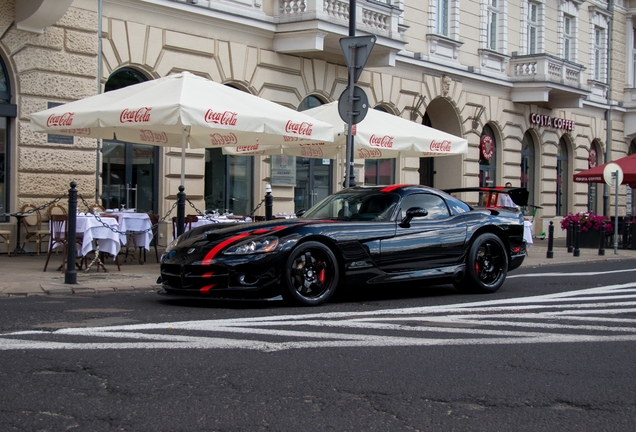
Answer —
531 84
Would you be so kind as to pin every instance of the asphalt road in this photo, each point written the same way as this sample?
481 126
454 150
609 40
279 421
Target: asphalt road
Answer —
552 350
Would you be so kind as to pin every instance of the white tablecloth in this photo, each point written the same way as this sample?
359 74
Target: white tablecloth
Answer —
95 230
129 221
527 232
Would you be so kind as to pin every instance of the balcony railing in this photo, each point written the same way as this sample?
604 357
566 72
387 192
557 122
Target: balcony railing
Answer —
547 69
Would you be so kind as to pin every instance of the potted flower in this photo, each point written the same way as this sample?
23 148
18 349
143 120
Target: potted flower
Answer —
590 224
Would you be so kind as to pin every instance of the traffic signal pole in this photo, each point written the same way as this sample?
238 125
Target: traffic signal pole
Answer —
350 179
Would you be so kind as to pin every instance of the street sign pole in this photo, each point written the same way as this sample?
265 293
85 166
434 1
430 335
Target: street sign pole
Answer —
350 179
616 183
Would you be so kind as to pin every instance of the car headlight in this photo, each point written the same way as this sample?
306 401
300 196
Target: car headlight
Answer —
171 245
264 245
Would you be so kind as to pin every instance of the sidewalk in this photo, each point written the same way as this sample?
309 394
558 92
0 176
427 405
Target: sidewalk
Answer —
23 276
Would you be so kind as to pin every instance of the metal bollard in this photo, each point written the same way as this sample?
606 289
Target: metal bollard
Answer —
70 275
181 200
577 234
601 246
569 237
269 202
550 252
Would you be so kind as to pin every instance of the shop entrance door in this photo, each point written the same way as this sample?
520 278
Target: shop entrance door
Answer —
313 182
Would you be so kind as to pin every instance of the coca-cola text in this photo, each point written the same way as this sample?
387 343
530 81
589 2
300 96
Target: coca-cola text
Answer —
440 146
58 120
218 139
141 115
385 141
227 118
303 128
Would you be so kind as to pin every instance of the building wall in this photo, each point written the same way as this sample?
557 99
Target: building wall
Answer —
60 65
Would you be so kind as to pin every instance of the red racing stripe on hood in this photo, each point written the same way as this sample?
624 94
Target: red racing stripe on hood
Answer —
207 260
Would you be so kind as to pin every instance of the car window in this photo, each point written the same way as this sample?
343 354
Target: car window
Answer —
435 205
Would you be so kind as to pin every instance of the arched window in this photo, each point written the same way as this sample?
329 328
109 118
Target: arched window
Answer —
487 158
228 184
379 171
313 176
527 171
593 160
562 179
7 111
130 173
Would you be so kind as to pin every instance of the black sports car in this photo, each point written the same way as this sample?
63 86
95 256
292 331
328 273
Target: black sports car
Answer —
356 237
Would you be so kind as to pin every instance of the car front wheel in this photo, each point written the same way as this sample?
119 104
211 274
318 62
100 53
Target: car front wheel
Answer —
311 274
486 265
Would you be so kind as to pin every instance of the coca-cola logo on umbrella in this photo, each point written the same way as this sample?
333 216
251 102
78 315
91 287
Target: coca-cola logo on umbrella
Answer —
226 118
311 152
385 141
247 148
149 136
440 146
218 139
364 153
303 128
141 115
58 120
487 147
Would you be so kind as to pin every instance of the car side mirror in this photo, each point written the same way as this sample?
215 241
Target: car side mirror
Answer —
411 213
300 212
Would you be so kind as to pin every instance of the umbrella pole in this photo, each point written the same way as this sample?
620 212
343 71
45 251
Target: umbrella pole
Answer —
181 196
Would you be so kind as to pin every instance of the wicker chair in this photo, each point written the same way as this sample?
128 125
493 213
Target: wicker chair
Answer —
32 225
5 234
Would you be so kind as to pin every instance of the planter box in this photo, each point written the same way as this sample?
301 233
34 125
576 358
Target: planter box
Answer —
587 239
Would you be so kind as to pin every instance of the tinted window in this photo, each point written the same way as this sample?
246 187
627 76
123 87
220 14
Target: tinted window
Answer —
434 204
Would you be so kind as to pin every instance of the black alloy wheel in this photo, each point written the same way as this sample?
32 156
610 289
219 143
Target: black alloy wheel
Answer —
486 265
311 274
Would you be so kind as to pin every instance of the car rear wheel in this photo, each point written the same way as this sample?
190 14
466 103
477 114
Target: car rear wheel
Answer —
486 265
311 274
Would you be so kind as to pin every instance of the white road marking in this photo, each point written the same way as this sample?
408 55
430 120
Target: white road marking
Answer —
600 314
513 276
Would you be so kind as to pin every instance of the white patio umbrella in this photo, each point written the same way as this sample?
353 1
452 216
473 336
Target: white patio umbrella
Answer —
182 110
382 135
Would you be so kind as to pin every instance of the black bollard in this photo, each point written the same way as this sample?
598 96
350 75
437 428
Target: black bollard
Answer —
181 199
269 203
577 234
70 275
550 252
569 237
601 246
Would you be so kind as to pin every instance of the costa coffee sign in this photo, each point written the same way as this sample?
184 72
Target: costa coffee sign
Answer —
303 128
146 135
141 115
555 122
60 120
226 118
440 146
385 141
217 139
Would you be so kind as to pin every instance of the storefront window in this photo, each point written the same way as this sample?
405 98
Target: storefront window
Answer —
527 172
130 174
228 182
487 159
562 179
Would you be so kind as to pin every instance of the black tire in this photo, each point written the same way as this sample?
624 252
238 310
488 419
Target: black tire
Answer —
311 274
486 265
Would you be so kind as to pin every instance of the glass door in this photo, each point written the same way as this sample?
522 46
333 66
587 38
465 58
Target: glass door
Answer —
313 182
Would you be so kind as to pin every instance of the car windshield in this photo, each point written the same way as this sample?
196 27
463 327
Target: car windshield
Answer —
370 206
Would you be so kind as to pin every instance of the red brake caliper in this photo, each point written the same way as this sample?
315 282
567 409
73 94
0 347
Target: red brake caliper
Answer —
322 273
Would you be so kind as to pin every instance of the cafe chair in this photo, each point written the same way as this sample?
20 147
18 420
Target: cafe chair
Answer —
97 208
5 234
55 209
187 224
58 235
32 225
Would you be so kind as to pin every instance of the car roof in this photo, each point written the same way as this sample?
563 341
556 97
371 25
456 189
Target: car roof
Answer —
401 189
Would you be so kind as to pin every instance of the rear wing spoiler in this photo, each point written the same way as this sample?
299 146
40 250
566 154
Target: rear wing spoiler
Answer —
518 195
